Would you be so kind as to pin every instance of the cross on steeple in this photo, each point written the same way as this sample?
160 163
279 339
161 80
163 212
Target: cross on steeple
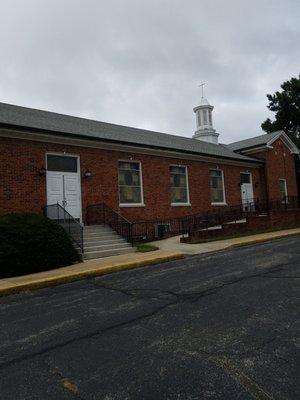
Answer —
202 89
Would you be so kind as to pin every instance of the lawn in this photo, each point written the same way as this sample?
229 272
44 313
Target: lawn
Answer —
144 247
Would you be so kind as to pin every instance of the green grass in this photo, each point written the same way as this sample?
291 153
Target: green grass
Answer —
215 239
144 247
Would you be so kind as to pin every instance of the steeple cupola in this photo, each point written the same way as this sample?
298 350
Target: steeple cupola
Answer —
205 130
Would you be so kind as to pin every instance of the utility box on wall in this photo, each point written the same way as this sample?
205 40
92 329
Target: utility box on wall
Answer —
161 230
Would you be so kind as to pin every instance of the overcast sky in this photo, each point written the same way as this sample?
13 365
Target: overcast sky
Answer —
139 62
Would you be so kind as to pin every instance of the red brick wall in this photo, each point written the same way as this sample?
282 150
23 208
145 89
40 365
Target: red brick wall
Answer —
22 189
275 220
280 164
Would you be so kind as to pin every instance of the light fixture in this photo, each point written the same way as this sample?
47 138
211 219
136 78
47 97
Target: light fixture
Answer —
87 174
42 171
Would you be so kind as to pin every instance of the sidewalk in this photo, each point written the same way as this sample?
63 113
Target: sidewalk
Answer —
83 270
169 249
173 244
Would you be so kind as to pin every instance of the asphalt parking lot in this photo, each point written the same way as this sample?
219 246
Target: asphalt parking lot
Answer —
214 326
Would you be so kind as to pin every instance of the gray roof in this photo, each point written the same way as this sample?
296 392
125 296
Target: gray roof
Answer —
253 142
49 122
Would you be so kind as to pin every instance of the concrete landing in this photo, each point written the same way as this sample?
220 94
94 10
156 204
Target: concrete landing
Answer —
173 244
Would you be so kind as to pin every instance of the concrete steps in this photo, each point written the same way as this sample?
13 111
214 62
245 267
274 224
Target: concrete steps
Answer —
101 241
97 237
104 241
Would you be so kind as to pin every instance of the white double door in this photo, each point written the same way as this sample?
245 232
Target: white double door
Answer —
247 191
64 188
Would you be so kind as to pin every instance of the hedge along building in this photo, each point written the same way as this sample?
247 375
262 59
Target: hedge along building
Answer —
47 158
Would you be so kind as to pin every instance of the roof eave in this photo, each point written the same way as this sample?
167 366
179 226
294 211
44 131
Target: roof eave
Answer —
92 138
268 145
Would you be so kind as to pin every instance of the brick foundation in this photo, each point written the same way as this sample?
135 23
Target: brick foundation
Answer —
255 223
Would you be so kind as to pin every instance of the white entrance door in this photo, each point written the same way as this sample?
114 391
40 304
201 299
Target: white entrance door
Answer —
247 191
63 187
71 194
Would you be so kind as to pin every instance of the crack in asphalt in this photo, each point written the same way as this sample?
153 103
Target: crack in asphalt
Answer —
84 337
177 298
190 296
284 277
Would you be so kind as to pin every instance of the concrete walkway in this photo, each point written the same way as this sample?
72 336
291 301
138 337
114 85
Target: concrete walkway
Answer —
85 269
169 249
173 244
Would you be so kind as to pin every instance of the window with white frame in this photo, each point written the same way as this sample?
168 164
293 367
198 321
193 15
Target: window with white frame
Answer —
217 186
130 183
283 189
179 185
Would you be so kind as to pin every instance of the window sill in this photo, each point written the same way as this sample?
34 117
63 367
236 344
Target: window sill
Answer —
219 204
180 204
131 205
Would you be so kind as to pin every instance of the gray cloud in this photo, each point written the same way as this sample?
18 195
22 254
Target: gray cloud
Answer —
138 62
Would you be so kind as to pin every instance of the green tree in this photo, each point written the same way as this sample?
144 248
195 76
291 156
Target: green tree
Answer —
286 105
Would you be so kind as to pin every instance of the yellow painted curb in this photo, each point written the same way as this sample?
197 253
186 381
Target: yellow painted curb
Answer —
70 277
263 240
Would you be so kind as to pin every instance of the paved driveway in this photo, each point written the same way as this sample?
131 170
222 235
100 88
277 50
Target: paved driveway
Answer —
215 326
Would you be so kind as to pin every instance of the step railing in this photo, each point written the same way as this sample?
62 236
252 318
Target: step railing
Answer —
158 229
281 204
102 214
73 227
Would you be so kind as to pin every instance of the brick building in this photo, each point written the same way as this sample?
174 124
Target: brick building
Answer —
47 158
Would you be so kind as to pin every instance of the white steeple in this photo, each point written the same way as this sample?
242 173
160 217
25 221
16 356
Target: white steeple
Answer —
205 130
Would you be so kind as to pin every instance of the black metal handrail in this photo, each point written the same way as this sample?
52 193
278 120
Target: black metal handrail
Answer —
284 203
234 213
60 215
148 230
102 214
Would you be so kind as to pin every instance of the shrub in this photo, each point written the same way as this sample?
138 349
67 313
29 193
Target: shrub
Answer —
32 243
